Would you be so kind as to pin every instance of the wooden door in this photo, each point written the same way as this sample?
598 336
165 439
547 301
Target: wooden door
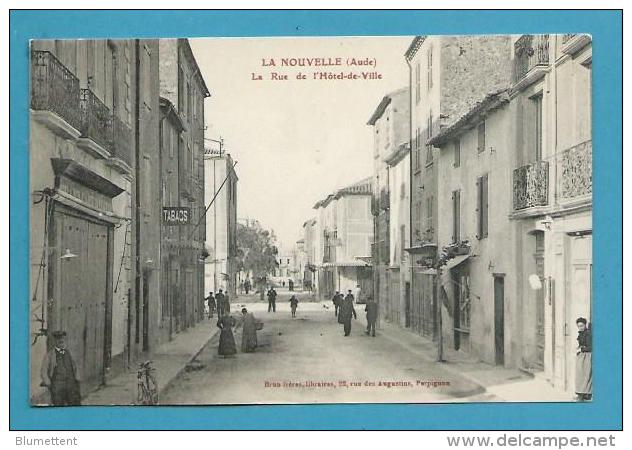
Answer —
82 293
578 298
499 318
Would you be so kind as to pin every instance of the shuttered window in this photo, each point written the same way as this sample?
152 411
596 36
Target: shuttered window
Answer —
481 137
482 207
456 216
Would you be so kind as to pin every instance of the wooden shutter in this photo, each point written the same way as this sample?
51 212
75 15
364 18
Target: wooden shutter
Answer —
485 205
479 208
456 215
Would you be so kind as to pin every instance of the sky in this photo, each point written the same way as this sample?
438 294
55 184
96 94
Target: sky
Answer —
295 141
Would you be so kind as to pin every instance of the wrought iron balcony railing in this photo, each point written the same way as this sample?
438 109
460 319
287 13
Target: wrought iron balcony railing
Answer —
122 141
96 120
531 185
530 51
575 171
54 88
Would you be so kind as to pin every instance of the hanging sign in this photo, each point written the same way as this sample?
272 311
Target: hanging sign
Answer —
176 215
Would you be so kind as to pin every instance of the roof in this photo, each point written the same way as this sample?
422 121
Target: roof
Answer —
362 187
381 107
413 47
397 155
491 102
189 51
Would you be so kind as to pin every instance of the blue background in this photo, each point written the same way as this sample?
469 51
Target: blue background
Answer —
605 412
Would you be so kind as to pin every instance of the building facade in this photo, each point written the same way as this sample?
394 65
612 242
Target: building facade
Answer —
552 197
390 122
346 226
221 223
181 83
313 257
515 182
85 103
399 270
448 75
480 313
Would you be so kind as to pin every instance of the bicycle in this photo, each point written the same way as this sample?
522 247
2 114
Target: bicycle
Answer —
147 393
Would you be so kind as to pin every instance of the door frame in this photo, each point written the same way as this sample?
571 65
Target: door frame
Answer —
54 274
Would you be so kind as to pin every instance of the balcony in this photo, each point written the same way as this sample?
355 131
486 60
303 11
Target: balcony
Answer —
531 59
575 169
572 43
96 125
122 146
531 185
54 94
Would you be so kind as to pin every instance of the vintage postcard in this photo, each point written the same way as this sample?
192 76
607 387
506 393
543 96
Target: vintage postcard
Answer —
402 219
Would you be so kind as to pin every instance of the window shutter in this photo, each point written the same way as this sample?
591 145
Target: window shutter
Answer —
485 205
453 216
479 206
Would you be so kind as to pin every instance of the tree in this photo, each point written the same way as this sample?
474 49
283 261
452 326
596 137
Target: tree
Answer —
256 251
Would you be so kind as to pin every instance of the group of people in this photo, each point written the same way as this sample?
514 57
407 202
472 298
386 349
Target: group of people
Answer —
249 327
219 302
344 310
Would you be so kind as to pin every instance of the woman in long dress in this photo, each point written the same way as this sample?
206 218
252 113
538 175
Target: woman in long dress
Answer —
227 345
583 364
248 332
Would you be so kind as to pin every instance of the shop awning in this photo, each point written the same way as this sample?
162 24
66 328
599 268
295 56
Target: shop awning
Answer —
451 264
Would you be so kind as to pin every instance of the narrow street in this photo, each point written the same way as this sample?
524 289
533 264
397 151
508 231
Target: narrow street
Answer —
296 354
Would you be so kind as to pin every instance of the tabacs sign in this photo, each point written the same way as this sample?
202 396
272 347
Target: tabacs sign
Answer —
176 215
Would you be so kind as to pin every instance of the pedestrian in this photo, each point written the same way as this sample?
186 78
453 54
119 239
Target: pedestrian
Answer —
337 300
210 301
356 293
272 295
227 345
346 311
583 364
293 305
241 287
226 303
290 283
248 331
219 299
59 373
371 316
247 285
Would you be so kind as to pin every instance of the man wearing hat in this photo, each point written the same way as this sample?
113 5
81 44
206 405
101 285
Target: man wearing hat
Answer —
59 373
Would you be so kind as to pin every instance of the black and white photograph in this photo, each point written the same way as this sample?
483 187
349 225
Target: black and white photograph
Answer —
311 220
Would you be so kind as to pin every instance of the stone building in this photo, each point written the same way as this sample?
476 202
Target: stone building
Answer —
399 271
221 222
86 98
313 256
552 197
170 129
515 180
390 122
346 226
182 84
480 313
448 75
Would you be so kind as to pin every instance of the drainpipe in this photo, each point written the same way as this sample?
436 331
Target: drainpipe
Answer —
410 178
137 244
